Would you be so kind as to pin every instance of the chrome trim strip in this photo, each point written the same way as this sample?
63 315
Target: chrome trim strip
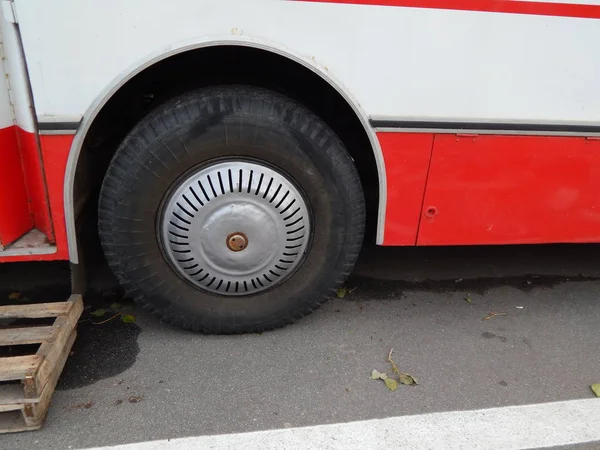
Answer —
56 132
484 132
49 125
516 127
58 125
463 122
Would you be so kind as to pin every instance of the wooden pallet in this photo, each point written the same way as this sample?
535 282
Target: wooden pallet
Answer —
28 381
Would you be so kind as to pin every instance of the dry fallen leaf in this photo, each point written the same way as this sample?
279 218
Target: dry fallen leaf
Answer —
407 379
404 378
14 296
494 314
87 405
391 384
375 375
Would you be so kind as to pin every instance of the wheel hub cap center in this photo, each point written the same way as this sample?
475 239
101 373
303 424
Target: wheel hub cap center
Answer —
236 242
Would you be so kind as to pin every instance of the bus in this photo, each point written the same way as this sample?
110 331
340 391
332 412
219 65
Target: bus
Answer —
240 151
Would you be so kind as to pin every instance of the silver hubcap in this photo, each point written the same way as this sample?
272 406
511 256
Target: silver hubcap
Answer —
235 228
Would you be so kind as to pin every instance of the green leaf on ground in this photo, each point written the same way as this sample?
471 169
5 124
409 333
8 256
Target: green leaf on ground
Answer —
468 298
98 312
115 306
403 377
375 375
342 292
128 318
407 379
596 389
391 384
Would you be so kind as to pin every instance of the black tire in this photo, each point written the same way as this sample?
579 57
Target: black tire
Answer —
231 121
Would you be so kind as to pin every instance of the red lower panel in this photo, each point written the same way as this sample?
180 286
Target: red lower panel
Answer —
34 179
406 157
15 219
512 190
55 152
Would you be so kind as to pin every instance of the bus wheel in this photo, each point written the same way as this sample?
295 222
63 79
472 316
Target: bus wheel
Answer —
231 209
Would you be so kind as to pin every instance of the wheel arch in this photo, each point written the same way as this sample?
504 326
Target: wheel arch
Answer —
141 67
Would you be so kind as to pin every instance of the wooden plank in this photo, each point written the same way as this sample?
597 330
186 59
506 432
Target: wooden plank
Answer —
29 335
36 311
19 367
51 351
35 413
12 394
24 406
12 406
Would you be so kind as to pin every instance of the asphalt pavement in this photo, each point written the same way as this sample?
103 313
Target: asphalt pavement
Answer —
143 381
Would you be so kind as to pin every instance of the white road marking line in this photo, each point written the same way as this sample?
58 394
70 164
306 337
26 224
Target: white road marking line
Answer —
507 428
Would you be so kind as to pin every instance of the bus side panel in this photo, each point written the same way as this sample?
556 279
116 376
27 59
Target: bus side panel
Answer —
511 190
406 158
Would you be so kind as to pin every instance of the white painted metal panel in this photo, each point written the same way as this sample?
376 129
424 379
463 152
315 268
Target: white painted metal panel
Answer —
6 117
397 62
16 76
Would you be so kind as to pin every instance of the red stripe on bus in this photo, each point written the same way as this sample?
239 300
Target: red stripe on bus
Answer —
497 6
